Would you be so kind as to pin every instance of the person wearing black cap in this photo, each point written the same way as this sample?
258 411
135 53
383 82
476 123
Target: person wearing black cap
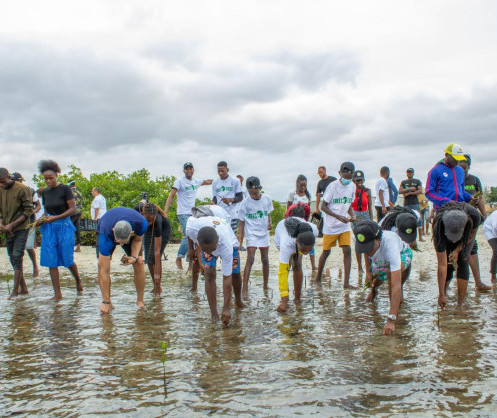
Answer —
404 222
472 185
362 206
338 213
75 219
410 189
454 230
390 261
186 188
255 223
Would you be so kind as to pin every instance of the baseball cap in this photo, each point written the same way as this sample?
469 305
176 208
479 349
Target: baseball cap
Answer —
365 234
468 159
71 183
187 164
454 223
253 183
455 151
410 170
17 176
358 175
347 167
407 227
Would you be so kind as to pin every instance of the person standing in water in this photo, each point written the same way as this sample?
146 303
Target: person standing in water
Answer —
338 213
411 188
186 189
57 230
490 232
227 193
255 225
472 185
75 219
16 207
382 201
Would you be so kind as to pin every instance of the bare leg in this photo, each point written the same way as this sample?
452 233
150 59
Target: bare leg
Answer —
247 271
322 262
462 286
374 290
265 266
195 274
210 290
227 286
420 233
32 256
17 284
347 262
151 271
74 270
474 263
54 275
179 263
237 289
298 276
358 257
313 261
139 279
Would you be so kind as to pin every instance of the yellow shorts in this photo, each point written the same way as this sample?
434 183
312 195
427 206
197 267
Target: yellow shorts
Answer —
330 241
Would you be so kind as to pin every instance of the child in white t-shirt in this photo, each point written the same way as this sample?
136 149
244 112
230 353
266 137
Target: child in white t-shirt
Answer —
255 223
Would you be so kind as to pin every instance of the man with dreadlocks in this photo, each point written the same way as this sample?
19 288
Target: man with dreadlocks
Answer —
454 229
155 240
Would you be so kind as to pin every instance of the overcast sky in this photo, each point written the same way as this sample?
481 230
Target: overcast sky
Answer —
275 88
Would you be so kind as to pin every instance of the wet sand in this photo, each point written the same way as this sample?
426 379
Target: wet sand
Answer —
325 357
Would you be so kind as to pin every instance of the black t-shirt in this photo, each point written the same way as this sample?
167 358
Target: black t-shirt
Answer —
55 200
323 184
161 227
472 184
443 244
412 199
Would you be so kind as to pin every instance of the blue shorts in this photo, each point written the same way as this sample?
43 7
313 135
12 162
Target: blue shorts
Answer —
210 260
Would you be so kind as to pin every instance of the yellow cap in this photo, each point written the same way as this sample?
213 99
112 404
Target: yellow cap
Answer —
456 152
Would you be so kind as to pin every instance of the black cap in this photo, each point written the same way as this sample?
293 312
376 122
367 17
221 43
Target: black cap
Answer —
17 176
358 175
407 227
253 183
187 164
468 159
410 170
347 167
454 224
365 234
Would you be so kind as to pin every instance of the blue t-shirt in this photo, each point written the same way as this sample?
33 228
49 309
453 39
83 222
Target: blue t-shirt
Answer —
138 225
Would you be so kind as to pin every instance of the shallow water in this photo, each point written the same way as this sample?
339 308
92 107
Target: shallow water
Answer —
327 357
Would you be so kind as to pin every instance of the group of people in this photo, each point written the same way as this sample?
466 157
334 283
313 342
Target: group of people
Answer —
343 214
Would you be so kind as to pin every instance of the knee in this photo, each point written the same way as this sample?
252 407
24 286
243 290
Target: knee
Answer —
16 261
210 273
265 259
250 260
346 251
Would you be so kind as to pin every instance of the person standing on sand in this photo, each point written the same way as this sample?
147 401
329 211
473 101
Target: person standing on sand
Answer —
362 207
215 238
338 213
454 230
424 210
16 207
75 219
186 189
382 202
31 241
227 193
411 188
390 260
57 230
472 185
490 232
321 187
98 209
255 225
124 227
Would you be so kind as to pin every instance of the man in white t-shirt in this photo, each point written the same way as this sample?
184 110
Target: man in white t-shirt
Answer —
186 189
382 201
216 239
337 208
98 209
227 193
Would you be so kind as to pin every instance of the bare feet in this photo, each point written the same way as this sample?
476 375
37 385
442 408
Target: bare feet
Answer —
297 301
179 263
80 288
215 317
58 296
226 317
348 286
482 287
140 304
245 295
239 304
105 308
36 272
12 295
193 289
78 249
24 291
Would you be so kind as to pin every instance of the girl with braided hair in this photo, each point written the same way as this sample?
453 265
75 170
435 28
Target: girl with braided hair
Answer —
404 222
155 240
454 229
293 237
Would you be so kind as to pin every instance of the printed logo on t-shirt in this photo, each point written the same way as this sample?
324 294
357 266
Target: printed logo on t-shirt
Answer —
190 187
258 215
445 174
470 187
224 189
342 200
216 223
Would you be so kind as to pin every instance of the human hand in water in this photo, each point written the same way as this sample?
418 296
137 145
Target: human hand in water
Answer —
389 328
442 301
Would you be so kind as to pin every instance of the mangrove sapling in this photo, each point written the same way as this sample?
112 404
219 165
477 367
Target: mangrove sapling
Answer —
163 361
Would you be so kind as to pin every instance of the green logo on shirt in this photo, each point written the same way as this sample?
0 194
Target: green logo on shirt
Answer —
342 200
191 187
258 215
224 189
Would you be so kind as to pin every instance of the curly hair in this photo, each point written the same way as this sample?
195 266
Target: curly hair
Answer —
438 226
48 165
150 208
391 217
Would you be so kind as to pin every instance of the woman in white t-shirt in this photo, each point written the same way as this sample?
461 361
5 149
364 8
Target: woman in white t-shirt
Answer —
255 223
390 261
293 237
300 194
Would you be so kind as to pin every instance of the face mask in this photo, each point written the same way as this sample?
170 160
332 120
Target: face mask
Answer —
345 182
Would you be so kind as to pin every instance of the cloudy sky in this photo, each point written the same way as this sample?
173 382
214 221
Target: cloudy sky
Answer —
276 88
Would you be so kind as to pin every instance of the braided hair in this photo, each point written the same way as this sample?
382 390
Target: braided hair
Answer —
389 221
149 208
301 231
438 226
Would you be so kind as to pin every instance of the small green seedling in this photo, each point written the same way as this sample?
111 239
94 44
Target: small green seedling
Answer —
163 360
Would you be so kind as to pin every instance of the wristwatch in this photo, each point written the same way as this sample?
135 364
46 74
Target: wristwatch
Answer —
391 317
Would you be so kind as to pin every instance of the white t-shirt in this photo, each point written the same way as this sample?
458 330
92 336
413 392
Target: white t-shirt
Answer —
285 243
490 226
219 211
339 198
227 239
255 213
187 192
294 198
98 203
38 214
381 184
227 188
387 257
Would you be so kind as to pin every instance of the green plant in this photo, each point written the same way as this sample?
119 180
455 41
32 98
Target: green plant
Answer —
163 360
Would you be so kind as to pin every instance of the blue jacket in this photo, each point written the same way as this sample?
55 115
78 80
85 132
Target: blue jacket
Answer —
446 184
392 191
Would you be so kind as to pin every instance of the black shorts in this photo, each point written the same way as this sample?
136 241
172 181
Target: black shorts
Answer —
16 243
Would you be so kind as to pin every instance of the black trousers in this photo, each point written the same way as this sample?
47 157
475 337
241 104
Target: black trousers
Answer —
16 243
75 219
